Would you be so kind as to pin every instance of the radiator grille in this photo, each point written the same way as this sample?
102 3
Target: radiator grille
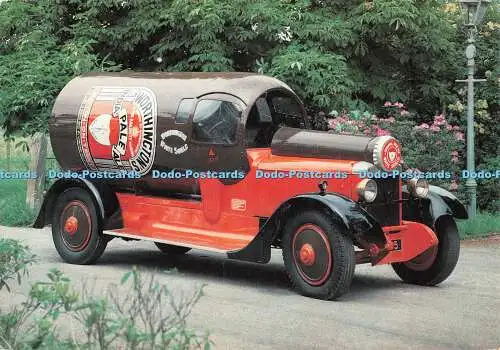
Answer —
385 208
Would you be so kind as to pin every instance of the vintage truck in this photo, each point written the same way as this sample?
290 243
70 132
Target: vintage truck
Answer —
212 125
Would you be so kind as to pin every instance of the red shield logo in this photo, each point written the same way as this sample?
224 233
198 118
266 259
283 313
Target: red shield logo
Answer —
116 129
391 154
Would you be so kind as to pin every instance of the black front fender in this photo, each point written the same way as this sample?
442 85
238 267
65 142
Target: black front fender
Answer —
354 221
428 210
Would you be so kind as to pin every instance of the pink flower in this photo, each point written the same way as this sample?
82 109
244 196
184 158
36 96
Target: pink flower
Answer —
439 120
459 136
434 127
454 153
404 113
398 104
424 126
456 128
453 185
391 120
382 132
449 127
332 123
387 104
454 159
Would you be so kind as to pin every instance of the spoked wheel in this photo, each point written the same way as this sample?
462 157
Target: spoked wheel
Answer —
437 263
318 257
75 228
172 249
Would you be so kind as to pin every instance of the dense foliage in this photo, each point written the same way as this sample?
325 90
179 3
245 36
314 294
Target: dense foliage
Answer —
336 54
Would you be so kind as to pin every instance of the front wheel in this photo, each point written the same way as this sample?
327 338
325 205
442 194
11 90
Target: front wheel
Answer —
319 258
75 228
437 263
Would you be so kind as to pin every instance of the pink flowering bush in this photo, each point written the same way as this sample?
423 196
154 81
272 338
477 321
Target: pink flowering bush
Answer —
429 147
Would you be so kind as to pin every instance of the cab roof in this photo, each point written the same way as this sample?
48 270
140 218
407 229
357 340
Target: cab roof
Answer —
173 86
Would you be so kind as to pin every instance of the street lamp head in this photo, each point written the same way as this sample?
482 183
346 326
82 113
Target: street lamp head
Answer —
473 11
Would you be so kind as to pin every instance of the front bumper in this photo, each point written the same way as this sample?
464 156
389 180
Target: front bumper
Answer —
405 242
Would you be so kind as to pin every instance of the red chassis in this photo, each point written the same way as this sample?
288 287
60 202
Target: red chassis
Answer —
227 217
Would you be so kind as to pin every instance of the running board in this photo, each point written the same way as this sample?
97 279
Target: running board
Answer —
180 244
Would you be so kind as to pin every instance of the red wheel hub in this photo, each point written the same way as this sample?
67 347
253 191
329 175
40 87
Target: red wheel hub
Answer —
71 225
312 254
307 255
75 226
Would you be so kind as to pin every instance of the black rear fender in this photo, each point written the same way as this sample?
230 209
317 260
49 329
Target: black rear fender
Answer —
103 196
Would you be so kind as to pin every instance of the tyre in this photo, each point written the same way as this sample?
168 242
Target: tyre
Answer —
437 263
76 228
172 249
319 258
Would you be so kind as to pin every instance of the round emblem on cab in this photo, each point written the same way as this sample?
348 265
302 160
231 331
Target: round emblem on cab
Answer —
387 153
391 154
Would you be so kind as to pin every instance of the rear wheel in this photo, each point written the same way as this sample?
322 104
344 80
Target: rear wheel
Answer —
76 229
319 258
172 249
437 263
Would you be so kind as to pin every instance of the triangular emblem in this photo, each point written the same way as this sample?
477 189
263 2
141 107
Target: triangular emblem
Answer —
392 156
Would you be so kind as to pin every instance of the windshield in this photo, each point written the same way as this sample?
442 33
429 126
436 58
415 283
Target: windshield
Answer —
270 112
287 111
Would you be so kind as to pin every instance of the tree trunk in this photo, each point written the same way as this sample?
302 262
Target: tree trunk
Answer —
38 153
8 152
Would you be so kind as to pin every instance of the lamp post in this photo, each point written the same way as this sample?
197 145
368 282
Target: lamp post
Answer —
473 12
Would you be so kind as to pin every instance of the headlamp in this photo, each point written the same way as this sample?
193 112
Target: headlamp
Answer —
419 187
367 189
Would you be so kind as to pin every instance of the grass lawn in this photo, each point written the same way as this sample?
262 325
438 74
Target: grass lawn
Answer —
13 209
482 225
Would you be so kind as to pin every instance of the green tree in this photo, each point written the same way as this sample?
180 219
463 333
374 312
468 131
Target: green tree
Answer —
37 58
336 54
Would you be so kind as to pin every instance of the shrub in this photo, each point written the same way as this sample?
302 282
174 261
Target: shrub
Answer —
488 190
14 261
140 314
427 147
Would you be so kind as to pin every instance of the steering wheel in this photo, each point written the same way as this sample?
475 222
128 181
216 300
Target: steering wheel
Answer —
215 126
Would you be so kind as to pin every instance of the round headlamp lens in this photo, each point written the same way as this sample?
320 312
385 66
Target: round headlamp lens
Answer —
419 187
367 189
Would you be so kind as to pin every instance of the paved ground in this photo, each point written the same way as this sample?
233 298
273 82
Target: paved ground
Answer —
250 306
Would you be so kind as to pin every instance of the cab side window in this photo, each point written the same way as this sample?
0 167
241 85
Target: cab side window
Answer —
216 122
183 111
